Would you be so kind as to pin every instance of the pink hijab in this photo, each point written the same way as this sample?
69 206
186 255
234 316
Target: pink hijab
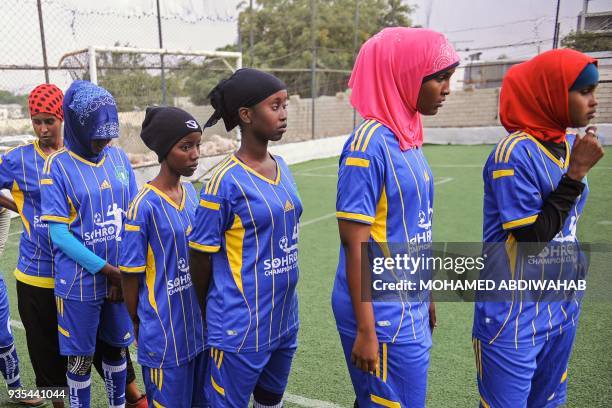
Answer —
388 74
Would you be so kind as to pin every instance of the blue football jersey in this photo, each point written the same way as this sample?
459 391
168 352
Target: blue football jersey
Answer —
393 191
21 169
518 176
92 198
155 247
250 224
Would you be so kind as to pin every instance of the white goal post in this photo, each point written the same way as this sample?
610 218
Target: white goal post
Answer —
91 52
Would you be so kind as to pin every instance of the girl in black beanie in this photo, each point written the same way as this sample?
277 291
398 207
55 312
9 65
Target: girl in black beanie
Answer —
154 260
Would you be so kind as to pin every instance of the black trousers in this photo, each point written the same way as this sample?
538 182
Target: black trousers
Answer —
39 317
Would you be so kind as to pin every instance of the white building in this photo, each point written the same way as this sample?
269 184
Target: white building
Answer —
10 111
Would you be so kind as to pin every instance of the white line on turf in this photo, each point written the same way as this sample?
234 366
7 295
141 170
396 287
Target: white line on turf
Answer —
605 222
321 218
17 324
307 402
442 180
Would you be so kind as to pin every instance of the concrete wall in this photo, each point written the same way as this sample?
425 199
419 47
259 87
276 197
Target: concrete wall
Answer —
335 116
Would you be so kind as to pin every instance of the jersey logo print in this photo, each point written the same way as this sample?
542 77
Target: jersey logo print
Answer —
105 185
288 206
109 227
192 124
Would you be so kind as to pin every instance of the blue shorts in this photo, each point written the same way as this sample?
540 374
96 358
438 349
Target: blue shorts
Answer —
534 377
232 377
81 323
6 334
401 378
177 387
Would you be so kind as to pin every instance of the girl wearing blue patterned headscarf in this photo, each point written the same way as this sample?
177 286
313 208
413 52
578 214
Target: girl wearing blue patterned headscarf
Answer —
86 189
91 119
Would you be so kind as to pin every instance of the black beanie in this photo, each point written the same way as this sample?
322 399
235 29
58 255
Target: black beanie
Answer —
164 126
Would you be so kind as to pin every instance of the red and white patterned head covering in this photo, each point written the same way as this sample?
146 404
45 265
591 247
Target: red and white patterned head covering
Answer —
46 98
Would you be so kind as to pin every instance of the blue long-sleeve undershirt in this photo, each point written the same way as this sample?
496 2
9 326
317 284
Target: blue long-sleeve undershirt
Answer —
63 239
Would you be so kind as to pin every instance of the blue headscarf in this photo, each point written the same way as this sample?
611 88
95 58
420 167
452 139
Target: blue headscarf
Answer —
588 77
90 114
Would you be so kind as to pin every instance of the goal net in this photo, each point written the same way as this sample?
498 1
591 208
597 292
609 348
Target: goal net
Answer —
139 77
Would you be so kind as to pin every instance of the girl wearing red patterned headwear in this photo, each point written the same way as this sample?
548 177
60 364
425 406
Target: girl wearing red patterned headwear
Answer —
21 170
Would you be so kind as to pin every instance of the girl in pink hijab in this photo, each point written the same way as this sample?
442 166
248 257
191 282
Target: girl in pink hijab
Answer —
385 195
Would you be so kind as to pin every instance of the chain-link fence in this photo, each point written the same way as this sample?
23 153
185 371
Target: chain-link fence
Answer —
50 40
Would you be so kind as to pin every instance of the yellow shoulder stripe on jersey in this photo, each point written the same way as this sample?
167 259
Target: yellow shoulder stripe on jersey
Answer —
130 227
48 162
509 150
204 248
357 134
10 150
520 222
130 210
370 133
502 173
215 187
355 161
46 181
362 132
501 146
132 269
215 173
137 203
354 217
210 205
384 402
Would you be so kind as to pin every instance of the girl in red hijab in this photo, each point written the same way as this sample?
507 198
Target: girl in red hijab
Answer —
385 194
535 189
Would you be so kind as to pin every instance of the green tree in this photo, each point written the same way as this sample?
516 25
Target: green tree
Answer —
282 43
8 98
586 41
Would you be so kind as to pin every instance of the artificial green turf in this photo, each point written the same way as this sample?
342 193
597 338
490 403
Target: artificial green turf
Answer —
319 370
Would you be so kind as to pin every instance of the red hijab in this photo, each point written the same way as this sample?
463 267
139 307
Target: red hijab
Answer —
535 94
388 74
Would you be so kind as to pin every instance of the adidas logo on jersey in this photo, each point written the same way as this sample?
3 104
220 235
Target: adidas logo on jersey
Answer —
288 206
105 184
